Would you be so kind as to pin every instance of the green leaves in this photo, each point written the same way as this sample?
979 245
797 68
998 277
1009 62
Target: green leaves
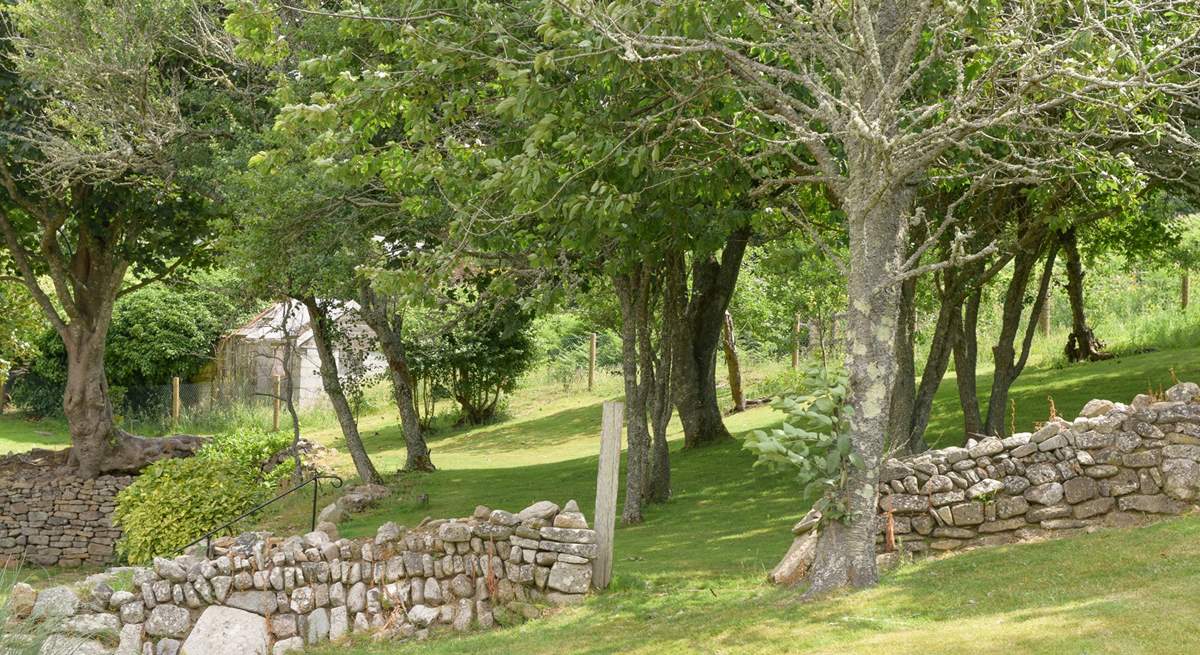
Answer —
814 442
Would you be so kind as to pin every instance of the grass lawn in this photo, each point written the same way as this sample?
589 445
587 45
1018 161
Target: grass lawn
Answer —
18 434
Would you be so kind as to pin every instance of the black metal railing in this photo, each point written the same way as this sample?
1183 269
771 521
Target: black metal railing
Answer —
316 484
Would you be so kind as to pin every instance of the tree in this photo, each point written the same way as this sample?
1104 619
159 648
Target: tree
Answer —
880 96
18 332
108 120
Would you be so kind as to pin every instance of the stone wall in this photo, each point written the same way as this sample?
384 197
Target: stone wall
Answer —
272 595
50 518
1114 465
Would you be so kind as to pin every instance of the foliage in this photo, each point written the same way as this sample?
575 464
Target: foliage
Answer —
814 441
158 332
175 501
474 352
20 328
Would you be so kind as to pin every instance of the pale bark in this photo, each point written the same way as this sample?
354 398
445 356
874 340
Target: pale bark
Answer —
319 321
900 433
633 292
877 219
1082 343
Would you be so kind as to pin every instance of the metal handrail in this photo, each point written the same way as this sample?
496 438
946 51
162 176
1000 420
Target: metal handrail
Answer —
316 483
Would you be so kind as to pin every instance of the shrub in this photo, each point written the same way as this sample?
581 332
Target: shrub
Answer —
175 501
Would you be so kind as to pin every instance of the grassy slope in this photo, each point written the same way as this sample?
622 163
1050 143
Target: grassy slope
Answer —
18 434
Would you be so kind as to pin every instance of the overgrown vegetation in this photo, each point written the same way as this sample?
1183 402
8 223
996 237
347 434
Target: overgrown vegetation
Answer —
175 501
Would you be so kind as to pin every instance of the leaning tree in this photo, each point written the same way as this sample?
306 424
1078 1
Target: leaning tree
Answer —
112 113
875 97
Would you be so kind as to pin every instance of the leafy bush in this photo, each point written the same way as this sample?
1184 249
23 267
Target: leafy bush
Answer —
157 333
175 501
814 441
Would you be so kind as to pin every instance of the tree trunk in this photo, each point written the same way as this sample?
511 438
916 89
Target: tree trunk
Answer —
330 380
845 553
1007 364
966 349
1044 318
387 326
696 338
900 432
632 291
661 405
1082 343
733 366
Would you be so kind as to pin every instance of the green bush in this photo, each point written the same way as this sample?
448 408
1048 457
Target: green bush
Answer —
175 501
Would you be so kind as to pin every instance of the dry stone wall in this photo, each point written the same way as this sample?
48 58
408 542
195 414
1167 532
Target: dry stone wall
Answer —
53 519
1114 465
272 595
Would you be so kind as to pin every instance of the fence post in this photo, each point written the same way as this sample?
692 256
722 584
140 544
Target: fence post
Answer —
275 415
592 363
606 491
175 400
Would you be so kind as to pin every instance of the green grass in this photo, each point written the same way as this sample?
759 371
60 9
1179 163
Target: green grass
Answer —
18 434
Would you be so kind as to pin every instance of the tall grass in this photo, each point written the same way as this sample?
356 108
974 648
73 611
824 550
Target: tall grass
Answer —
20 635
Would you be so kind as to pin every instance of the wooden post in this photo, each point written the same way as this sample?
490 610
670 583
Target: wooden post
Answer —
275 416
1184 288
592 363
175 400
796 343
606 491
734 366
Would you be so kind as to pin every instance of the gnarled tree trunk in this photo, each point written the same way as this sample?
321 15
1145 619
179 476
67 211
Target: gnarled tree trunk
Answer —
696 335
1082 343
387 326
319 321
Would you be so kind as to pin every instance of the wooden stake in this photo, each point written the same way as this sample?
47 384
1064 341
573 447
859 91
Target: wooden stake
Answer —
175 400
606 491
278 397
592 363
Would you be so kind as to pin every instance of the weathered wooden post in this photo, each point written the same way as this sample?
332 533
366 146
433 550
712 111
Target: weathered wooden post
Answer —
606 491
275 416
175 400
592 363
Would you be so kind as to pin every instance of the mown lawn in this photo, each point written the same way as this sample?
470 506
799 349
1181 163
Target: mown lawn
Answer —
18 434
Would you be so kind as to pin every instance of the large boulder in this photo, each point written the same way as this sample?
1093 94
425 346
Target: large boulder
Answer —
221 627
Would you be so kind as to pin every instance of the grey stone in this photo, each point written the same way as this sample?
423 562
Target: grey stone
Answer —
1042 473
332 514
1024 451
1008 507
69 645
1054 443
543 509
168 621
1184 392
986 448
566 535
339 623
387 533
1079 489
168 647
1045 494
1003 525
1182 451
423 615
589 551
1015 485
901 504
93 625
1093 440
1156 504
984 488
284 626
134 612
220 627
570 578
318 625
1181 478
55 603
130 640
1095 507
170 570
454 532
356 597
1095 408
263 603
1101 471
894 469
964 514
287 646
